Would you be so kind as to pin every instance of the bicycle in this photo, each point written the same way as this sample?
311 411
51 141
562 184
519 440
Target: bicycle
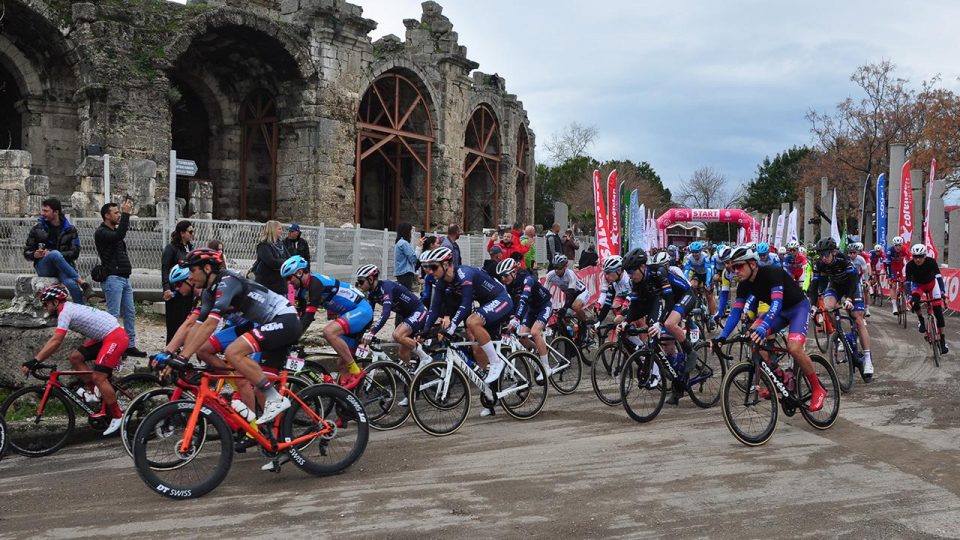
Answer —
751 391
609 363
844 353
901 301
439 390
876 290
932 334
40 419
565 371
184 449
643 396
566 325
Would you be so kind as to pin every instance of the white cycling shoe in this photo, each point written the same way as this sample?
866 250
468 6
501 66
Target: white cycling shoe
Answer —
272 409
113 427
493 371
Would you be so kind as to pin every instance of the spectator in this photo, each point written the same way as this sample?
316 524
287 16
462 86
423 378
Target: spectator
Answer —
296 245
490 265
177 306
589 257
509 242
570 245
404 257
270 256
53 246
450 242
112 248
426 244
529 240
554 245
218 246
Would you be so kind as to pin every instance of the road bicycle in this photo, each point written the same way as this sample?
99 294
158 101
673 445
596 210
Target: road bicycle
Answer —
643 388
822 327
844 348
565 369
932 335
440 396
609 363
585 340
41 419
901 301
751 391
184 449
876 290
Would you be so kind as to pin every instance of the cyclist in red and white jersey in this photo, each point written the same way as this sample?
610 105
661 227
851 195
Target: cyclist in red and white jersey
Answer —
896 257
923 273
107 342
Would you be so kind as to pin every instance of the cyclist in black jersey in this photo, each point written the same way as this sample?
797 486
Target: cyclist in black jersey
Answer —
923 274
395 298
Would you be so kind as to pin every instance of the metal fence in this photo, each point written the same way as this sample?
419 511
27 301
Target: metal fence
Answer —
336 252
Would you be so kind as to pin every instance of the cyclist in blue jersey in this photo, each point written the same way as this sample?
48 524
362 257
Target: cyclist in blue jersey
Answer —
354 313
675 257
699 271
532 303
468 284
395 298
764 258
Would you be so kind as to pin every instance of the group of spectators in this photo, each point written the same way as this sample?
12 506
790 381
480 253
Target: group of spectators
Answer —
519 243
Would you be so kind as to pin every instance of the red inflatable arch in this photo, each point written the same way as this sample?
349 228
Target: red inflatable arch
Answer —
725 215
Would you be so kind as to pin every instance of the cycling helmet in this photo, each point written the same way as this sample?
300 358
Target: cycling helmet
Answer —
897 240
660 258
672 248
696 247
793 244
292 265
743 254
763 248
878 247
368 271
826 244
57 291
201 256
634 259
425 256
781 250
178 273
560 260
613 263
724 253
856 246
439 254
506 266
918 249
803 250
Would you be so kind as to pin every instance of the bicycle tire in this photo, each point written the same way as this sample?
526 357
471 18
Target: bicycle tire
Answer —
706 393
742 354
137 411
567 380
843 361
191 476
642 402
25 434
332 453
605 373
385 384
733 398
528 400
3 437
591 342
820 333
825 417
934 338
429 407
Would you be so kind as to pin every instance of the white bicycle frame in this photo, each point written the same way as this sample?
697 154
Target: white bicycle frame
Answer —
453 357
512 342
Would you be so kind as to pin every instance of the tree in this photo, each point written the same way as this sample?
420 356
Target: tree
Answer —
554 184
705 189
572 142
776 181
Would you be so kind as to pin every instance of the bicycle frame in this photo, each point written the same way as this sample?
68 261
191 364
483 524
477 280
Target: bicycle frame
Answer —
53 381
454 357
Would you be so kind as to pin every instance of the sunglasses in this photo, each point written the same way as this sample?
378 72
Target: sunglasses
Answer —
431 267
737 265
190 231
919 256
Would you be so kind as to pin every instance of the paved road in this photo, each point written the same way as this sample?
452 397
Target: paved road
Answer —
887 469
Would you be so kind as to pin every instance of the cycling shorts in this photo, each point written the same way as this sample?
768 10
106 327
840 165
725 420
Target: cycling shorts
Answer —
583 297
685 305
541 315
222 339
931 289
106 354
355 320
415 321
796 319
852 290
702 278
274 339
495 312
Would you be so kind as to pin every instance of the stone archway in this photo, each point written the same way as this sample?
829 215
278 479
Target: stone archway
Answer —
521 174
11 119
481 170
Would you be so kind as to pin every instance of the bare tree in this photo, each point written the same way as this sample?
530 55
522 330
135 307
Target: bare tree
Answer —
705 189
572 142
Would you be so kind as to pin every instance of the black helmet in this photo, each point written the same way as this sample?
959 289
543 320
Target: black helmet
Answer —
634 259
826 244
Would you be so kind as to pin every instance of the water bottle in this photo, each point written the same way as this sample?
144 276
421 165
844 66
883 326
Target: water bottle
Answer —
694 332
241 408
570 330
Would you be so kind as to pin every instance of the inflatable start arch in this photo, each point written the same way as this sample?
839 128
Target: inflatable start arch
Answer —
750 225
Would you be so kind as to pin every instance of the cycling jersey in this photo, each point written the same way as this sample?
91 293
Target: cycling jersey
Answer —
566 281
717 263
90 322
876 260
922 273
860 264
840 275
769 261
469 284
394 297
652 296
531 300
621 287
895 260
683 298
775 287
337 297
239 300
699 266
794 264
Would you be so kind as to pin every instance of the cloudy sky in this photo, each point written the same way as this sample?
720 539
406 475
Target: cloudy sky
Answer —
683 83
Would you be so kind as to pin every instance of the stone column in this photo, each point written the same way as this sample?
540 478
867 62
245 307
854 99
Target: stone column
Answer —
953 250
916 179
897 158
937 218
809 235
14 170
826 204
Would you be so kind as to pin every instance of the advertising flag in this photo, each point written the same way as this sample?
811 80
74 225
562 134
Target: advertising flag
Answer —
906 204
882 211
927 237
600 217
778 236
613 215
792 226
834 228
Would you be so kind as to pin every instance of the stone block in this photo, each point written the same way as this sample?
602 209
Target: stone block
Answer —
15 159
36 184
84 12
288 7
27 343
10 202
93 166
91 184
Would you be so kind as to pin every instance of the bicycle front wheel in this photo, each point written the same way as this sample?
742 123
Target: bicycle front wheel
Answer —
35 432
522 388
643 386
605 373
749 403
843 362
338 423
564 352
704 383
137 411
820 334
825 417
172 472
439 398
384 387
3 437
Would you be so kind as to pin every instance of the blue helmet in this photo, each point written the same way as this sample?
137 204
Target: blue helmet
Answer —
178 273
696 247
292 265
763 248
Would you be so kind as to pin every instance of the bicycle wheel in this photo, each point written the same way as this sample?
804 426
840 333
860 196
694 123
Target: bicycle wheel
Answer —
843 362
641 393
564 351
3 437
32 433
591 342
524 396
704 383
439 398
137 411
182 475
384 386
341 436
605 373
902 309
738 352
933 336
825 417
820 333
750 416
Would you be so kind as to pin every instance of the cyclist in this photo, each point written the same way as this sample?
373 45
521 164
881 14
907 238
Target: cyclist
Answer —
699 272
674 252
107 341
354 314
576 294
788 309
228 295
794 261
764 257
467 284
394 297
532 306
781 254
923 273
835 278
618 285
727 278
896 256
854 252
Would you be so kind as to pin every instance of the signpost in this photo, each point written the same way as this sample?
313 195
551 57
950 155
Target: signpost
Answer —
178 167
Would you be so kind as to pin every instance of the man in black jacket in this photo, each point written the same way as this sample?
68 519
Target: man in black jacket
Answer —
53 247
295 244
109 239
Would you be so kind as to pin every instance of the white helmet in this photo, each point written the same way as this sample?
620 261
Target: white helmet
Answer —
897 241
661 257
781 250
793 244
743 254
367 271
878 247
858 246
613 263
918 249
506 266
436 255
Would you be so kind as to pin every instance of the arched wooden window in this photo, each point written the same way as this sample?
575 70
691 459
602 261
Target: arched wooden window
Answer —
260 139
481 171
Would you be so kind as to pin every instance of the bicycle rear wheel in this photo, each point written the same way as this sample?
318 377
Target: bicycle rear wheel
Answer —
519 377
32 433
439 398
642 392
751 415
564 351
182 475
605 373
933 336
843 362
820 334
3 437
704 383
384 386
340 424
825 417
137 411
